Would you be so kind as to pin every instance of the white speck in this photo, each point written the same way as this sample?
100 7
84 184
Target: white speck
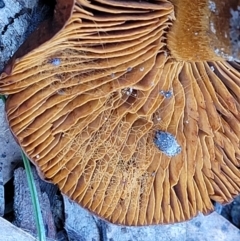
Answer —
129 69
196 33
105 118
212 68
159 118
112 75
212 27
129 91
61 92
153 174
167 94
186 121
141 69
55 62
220 53
37 156
212 6
217 51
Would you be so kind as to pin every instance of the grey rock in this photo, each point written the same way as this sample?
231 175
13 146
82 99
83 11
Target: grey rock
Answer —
2 199
18 18
2 4
202 228
80 225
218 207
9 232
235 213
10 154
23 207
234 32
14 20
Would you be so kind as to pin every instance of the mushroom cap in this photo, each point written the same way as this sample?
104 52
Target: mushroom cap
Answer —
126 130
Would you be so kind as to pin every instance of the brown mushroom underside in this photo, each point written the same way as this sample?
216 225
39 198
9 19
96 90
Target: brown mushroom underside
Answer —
85 107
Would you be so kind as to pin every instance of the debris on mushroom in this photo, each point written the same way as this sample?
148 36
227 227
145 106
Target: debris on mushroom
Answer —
55 61
166 94
167 143
151 132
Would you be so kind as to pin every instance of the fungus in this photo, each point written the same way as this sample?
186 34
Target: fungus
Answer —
94 124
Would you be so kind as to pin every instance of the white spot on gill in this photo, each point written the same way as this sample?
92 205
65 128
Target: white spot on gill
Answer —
212 27
167 94
212 68
55 61
129 69
212 6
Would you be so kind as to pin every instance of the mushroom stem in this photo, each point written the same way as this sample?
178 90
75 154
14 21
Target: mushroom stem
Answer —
205 30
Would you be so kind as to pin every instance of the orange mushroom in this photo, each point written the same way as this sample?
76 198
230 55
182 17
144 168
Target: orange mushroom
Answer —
134 118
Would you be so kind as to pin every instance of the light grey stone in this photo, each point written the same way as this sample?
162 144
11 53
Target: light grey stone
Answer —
2 199
15 16
202 228
23 207
10 154
9 232
80 225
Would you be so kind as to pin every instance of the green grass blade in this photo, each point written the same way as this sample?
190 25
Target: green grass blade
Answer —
33 192
34 197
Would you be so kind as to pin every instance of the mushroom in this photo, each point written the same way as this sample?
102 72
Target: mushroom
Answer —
132 114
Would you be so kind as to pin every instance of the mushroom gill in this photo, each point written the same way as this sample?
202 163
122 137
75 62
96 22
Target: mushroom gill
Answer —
108 110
